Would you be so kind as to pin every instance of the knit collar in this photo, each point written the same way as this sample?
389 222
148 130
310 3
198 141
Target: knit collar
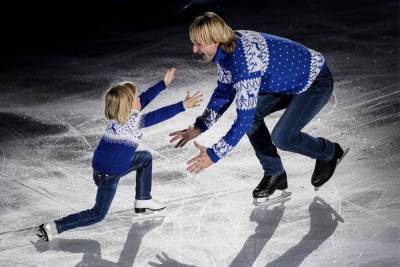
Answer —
219 55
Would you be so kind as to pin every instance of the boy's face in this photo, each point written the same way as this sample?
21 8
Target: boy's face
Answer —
136 103
208 51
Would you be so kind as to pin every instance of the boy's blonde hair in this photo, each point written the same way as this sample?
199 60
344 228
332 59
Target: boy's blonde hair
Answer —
118 101
210 28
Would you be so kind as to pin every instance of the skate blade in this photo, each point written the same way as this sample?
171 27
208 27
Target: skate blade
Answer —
148 215
344 154
271 200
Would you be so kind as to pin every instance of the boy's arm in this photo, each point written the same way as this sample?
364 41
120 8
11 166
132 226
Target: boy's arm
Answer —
162 114
147 96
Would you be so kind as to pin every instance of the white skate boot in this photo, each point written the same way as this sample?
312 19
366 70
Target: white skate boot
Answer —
47 231
148 208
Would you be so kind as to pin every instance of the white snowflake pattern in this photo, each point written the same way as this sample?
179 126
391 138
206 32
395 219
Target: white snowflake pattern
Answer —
210 117
256 51
128 133
221 148
317 61
224 75
247 91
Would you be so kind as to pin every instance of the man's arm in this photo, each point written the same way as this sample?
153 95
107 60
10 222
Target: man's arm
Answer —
220 100
246 102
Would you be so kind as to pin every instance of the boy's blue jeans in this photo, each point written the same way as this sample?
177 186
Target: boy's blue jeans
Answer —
287 135
106 188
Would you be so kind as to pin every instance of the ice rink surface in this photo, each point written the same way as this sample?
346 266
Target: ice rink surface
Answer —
51 120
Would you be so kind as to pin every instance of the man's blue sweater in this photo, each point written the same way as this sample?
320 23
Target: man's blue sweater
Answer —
261 63
115 150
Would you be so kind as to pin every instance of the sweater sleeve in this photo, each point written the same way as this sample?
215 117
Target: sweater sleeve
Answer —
148 96
220 101
161 114
246 100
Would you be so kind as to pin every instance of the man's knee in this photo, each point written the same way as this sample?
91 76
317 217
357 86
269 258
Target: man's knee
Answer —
282 140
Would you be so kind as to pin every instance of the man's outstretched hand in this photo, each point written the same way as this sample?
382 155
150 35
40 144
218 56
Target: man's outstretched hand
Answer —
184 136
201 161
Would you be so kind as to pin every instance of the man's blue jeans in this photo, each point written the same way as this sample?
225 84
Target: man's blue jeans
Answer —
106 188
287 135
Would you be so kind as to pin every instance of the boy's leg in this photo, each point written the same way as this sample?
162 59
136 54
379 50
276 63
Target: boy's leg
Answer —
107 186
260 137
287 133
142 163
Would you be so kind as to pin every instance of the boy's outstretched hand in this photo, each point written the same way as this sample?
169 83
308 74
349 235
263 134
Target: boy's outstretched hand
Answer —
192 101
169 76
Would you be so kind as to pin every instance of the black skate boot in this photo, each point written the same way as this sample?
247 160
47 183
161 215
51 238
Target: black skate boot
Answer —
267 187
324 170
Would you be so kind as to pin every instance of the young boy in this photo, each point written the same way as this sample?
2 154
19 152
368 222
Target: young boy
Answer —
116 155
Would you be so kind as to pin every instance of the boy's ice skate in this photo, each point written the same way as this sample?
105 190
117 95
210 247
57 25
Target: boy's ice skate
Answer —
147 209
324 170
267 187
47 231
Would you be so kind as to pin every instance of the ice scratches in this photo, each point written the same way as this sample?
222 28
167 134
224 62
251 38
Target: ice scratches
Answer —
383 219
22 126
94 119
378 91
381 197
76 131
338 196
348 130
361 103
335 101
3 165
394 113
14 263
3 203
45 195
199 222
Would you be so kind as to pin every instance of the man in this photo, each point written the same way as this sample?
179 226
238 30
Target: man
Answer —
265 73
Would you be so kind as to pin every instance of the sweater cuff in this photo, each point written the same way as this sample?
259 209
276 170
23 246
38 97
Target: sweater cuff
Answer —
161 84
212 155
199 124
181 107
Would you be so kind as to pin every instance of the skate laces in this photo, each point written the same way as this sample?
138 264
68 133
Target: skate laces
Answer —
272 181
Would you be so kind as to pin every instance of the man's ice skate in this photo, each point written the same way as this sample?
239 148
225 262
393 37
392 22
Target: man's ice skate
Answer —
47 231
148 209
324 170
266 188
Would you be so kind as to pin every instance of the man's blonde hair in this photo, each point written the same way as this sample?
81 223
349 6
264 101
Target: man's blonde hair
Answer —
210 28
118 101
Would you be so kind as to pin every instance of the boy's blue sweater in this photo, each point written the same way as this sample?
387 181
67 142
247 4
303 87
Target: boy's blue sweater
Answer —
115 150
261 63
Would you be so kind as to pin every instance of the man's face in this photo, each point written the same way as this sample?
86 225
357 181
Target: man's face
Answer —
206 50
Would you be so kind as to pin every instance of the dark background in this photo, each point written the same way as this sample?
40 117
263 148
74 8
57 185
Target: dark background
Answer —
52 27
